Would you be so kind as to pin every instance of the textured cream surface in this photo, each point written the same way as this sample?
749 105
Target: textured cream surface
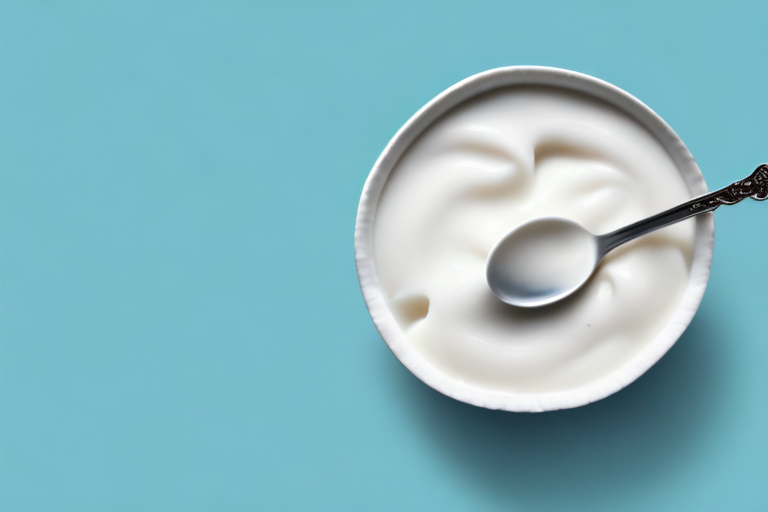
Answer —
495 162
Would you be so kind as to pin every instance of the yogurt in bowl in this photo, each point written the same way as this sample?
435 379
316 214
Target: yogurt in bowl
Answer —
495 151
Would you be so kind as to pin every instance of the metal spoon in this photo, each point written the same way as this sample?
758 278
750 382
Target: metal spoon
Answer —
545 260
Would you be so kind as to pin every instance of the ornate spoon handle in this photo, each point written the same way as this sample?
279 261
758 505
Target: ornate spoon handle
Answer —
754 186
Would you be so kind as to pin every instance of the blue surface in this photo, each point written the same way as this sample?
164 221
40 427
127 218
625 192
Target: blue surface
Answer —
181 326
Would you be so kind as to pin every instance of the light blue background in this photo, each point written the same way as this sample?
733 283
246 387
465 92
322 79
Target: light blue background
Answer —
181 326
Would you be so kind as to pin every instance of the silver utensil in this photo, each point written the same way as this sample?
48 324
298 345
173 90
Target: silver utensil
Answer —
547 259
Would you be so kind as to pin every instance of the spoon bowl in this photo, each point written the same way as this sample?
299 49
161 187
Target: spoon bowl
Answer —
542 261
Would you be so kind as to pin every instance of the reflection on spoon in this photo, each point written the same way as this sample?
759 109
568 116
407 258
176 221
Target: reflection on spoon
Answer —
545 260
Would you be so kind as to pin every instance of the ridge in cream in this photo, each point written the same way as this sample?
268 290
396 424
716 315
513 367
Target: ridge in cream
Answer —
495 160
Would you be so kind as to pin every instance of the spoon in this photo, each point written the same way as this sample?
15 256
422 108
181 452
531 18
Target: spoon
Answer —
545 260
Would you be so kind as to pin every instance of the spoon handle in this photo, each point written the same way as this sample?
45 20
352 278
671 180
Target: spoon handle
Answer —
754 186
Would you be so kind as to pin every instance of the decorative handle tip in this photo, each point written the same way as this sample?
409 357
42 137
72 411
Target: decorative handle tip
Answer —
755 186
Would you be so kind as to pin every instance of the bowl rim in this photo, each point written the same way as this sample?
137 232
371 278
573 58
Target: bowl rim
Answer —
460 92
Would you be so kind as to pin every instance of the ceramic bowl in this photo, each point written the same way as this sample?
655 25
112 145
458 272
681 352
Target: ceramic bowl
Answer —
473 86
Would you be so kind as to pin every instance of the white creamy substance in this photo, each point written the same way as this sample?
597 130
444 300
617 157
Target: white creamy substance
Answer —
497 161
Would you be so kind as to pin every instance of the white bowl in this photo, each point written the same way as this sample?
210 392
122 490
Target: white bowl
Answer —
376 300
